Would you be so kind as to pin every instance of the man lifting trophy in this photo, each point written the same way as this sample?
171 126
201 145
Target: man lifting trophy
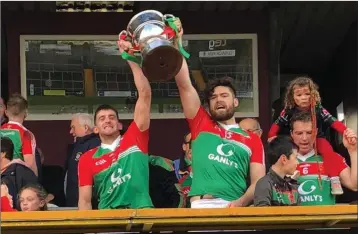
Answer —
153 44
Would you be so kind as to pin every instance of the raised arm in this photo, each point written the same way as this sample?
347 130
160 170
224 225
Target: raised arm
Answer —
188 95
349 175
142 107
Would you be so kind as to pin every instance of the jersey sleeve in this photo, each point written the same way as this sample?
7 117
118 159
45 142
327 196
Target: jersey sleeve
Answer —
85 174
6 205
283 119
258 154
340 163
327 118
196 122
28 143
137 137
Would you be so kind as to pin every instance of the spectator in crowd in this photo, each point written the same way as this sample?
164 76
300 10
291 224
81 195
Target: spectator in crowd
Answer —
14 173
302 95
251 125
82 130
33 197
276 188
315 186
121 177
220 166
183 169
3 118
23 139
163 184
170 181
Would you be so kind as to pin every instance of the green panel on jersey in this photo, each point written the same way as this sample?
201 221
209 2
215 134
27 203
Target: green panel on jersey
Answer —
100 152
310 191
220 166
14 136
125 184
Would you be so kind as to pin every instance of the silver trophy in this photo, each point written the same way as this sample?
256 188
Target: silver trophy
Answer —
154 39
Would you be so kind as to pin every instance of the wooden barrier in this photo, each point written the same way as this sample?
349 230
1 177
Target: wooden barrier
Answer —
248 218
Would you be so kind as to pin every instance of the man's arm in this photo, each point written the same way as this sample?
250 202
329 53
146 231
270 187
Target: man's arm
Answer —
188 95
85 182
142 107
348 175
85 197
28 151
263 193
257 170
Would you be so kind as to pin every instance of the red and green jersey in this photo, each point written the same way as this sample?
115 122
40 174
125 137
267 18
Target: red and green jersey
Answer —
315 185
23 140
120 177
221 157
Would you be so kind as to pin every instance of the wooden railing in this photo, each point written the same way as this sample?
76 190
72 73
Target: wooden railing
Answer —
145 220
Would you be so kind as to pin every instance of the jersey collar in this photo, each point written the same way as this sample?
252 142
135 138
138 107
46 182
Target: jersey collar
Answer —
113 145
16 123
228 127
306 156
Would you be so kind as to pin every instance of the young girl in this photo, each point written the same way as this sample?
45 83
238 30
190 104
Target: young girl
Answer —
33 197
302 95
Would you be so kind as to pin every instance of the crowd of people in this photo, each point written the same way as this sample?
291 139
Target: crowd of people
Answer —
224 163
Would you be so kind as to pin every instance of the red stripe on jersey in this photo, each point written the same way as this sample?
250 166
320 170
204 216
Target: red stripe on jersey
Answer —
311 168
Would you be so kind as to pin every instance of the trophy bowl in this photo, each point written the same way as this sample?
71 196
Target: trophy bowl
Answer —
150 35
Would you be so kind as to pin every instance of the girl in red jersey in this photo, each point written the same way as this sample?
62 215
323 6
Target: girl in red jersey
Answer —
302 95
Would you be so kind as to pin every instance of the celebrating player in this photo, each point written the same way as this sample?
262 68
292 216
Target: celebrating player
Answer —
119 167
222 153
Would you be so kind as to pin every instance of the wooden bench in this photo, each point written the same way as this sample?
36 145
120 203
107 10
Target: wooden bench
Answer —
248 218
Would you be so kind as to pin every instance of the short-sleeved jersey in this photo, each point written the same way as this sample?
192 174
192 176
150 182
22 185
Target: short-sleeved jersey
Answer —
23 139
312 190
121 177
221 158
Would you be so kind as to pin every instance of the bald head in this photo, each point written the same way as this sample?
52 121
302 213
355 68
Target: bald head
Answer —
251 125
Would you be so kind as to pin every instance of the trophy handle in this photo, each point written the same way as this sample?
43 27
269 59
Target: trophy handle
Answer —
170 20
128 55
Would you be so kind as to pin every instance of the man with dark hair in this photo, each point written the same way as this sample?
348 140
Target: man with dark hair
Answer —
23 139
14 173
223 154
275 188
315 186
118 168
